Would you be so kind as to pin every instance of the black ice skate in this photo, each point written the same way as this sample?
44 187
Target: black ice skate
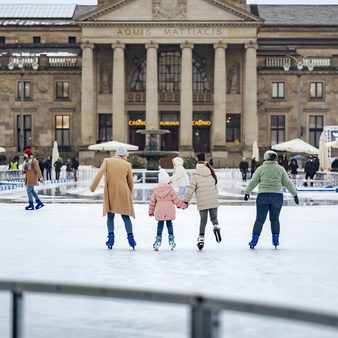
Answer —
217 233
200 242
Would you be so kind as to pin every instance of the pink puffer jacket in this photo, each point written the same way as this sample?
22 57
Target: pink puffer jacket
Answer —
162 203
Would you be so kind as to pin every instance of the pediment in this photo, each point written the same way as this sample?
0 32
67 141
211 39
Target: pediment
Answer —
169 10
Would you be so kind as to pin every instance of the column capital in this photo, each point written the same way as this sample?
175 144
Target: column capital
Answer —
87 44
118 44
220 44
151 44
187 44
251 44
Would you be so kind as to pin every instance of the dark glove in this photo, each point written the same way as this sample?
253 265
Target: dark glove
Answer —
246 197
296 199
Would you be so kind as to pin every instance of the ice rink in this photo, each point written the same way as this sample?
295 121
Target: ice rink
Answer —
65 243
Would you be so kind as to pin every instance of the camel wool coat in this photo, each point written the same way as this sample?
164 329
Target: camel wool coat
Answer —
32 172
118 188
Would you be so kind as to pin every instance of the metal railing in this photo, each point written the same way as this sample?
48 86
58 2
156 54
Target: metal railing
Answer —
204 321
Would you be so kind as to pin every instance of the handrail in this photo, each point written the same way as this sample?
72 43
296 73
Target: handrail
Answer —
205 309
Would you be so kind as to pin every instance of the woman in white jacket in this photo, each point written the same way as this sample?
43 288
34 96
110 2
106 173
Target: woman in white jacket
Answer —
180 178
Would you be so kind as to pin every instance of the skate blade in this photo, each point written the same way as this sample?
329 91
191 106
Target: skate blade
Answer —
217 234
200 246
172 247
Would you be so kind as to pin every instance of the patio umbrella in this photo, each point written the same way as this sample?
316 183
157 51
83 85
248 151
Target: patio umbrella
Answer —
255 151
323 154
296 146
55 153
112 146
2 150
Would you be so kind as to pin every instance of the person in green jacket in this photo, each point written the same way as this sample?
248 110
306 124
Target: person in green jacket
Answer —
270 178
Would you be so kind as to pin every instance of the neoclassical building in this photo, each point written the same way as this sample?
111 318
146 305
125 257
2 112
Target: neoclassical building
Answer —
218 74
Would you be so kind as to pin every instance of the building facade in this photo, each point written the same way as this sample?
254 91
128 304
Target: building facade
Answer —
209 71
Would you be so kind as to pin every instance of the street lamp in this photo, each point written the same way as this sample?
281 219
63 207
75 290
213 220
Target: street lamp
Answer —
301 63
21 63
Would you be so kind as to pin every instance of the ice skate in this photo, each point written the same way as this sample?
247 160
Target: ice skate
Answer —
200 242
39 205
253 241
157 244
275 240
172 242
111 241
217 233
30 206
131 241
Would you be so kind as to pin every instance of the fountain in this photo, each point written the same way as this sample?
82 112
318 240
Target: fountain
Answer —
151 152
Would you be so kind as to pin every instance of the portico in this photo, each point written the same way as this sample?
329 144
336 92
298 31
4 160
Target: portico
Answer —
189 68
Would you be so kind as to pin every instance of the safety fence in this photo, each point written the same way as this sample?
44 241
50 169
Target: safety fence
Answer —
205 320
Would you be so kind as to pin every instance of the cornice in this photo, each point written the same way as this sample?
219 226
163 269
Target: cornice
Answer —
175 24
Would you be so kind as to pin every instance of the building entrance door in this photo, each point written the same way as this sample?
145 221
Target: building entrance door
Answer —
201 132
170 121
136 122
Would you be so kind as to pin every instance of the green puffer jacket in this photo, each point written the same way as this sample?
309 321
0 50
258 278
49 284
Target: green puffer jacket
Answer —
271 177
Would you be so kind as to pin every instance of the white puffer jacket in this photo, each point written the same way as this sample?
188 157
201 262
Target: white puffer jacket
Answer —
203 185
180 177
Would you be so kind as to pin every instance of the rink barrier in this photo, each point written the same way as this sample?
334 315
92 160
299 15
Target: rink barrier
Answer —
205 319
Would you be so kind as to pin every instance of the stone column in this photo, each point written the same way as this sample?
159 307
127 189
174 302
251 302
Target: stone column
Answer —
88 113
120 122
218 123
186 100
152 87
250 118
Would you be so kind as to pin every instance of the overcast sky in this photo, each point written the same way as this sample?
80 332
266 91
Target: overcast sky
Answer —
94 2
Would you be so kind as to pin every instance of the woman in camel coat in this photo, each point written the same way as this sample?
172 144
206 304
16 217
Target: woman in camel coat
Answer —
118 191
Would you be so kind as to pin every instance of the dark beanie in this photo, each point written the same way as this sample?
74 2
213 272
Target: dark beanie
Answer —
201 157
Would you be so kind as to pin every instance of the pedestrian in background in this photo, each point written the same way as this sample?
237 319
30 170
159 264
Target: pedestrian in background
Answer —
69 169
118 190
254 166
14 164
243 167
270 178
75 167
48 168
57 167
32 172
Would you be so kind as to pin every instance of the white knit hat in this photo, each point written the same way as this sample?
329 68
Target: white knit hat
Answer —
163 176
122 151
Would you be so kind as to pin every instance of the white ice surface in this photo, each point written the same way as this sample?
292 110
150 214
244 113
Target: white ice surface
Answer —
65 243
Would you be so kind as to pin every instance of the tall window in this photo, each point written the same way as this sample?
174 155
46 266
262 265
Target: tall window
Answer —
277 129
316 90
105 127
200 83
316 125
62 90
36 40
169 72
27 131
27 92
201 132
62 131
278 90
233 127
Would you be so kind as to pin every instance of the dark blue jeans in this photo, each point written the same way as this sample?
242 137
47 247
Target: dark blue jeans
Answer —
32 193
126 219
160 226
268 203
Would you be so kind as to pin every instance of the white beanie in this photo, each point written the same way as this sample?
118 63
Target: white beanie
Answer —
122 151
163 176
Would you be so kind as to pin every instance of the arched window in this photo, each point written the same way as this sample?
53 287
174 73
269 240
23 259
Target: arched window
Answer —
200 81
138 80
169 74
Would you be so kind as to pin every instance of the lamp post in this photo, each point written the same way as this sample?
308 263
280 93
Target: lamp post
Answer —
301 63
21 63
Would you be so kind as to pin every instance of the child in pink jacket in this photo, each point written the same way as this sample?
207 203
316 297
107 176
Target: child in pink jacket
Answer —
161 206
